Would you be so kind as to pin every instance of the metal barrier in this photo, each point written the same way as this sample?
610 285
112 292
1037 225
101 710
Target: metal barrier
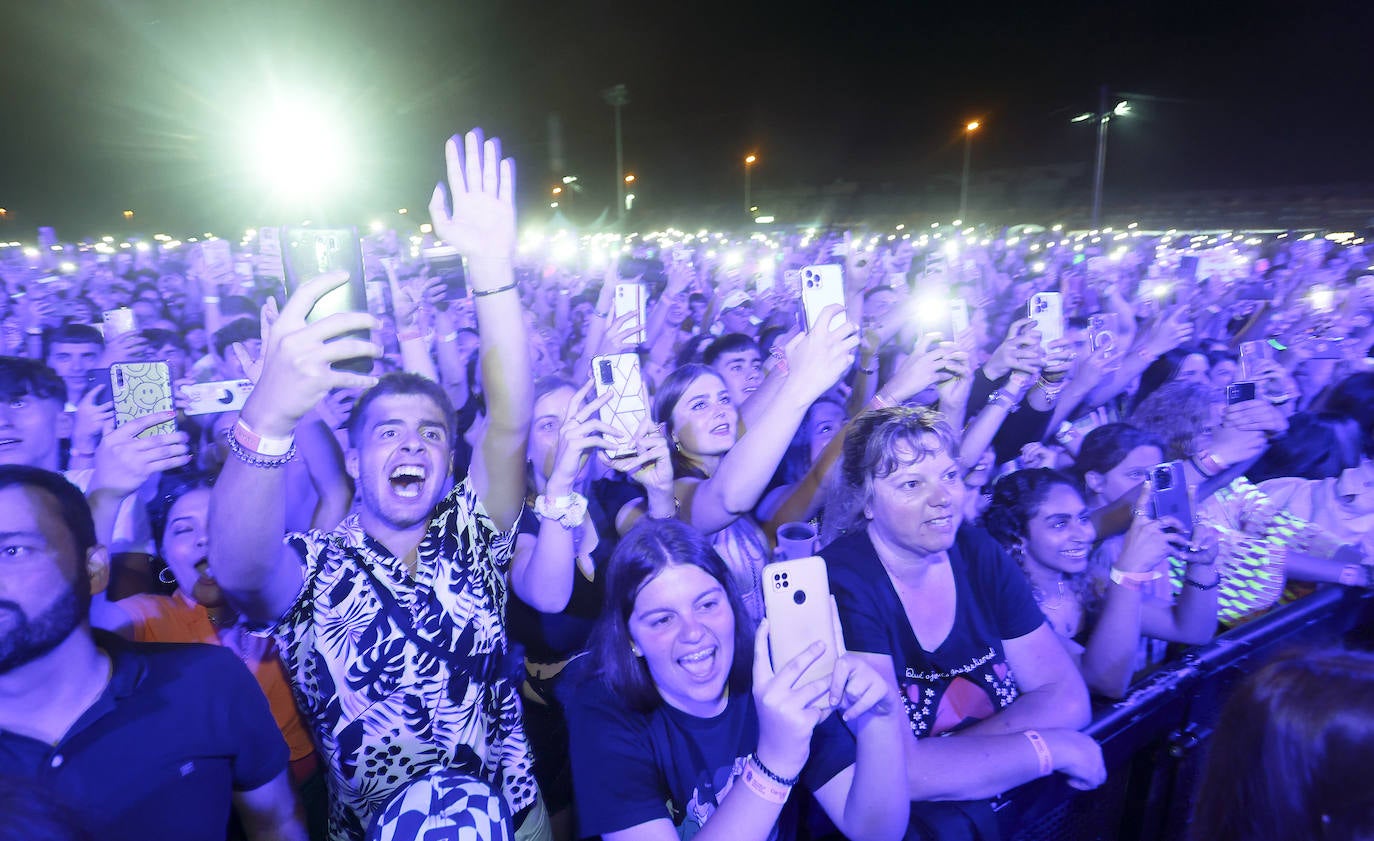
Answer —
1154 740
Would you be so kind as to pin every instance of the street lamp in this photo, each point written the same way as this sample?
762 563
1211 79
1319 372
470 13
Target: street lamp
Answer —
1103 117
969 129
749 161
629 179
618 97
128 214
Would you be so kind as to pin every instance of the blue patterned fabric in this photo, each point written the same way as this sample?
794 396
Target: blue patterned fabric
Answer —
401 677
444 806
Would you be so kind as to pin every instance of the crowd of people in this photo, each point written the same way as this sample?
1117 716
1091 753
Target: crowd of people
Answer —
434 571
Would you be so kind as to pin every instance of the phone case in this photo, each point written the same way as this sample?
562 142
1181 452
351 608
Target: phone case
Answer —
1102 330
215 397
1252 355
118 322
821 287
796 600
629 297
1169 494
142 388
1047 310
619 374
1239 392
311 252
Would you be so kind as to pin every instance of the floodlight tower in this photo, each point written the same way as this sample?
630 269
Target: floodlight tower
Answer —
618 97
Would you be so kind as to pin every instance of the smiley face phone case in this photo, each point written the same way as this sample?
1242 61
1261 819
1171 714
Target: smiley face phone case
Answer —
140 389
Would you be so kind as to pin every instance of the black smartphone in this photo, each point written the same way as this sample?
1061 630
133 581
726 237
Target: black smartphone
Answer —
310 252
1239 392
445 262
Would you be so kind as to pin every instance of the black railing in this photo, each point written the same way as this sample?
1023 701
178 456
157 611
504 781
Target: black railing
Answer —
1154 741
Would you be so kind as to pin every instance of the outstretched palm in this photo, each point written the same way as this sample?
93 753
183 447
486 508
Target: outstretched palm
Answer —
479 218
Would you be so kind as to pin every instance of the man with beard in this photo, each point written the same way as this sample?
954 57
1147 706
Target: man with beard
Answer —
392 626
134 741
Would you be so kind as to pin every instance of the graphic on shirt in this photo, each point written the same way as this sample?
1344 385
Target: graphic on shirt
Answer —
700 807
945 701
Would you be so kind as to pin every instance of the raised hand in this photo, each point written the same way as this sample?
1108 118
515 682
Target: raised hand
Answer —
296 359
123 461
476 214
824 354
788 712
1019 351
651 464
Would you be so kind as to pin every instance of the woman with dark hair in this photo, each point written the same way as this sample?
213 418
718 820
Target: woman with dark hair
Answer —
947 620
720 475
199 611
1290 748
1183 364
682 727
1041 518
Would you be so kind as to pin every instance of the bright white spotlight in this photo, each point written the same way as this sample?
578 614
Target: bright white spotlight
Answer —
297 147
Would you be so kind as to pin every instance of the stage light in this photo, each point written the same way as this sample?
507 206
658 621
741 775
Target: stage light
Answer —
297 147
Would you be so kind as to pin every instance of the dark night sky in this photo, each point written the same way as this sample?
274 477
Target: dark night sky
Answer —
110 104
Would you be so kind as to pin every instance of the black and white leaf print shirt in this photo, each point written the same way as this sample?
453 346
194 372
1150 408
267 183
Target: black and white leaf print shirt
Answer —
389 704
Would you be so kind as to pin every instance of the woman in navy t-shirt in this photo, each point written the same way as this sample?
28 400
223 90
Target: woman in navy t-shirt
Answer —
681 728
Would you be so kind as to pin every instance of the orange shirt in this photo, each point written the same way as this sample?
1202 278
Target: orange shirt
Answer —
176 618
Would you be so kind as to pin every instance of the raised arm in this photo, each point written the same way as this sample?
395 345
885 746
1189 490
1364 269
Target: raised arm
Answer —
743 474
248 503
476 215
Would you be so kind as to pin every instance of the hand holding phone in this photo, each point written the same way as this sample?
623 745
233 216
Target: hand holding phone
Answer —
312 252
141 389
1046 309
1169 496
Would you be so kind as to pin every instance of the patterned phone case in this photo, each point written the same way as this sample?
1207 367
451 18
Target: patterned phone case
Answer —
142 388
619 374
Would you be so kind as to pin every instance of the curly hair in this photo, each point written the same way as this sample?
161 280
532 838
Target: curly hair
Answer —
1016 499
1177 413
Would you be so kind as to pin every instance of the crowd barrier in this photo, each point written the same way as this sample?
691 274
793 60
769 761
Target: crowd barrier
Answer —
1154 741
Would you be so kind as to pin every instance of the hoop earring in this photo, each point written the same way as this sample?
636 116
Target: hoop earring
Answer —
166 576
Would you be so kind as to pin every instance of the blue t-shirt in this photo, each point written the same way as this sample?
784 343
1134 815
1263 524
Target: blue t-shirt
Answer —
628 765
966 678
178 729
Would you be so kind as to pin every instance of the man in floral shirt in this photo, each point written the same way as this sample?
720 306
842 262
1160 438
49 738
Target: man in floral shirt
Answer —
391 626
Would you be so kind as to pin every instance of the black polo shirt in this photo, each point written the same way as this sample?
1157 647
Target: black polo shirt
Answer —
158 755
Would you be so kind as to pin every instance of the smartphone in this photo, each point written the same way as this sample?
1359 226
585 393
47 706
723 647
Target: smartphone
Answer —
1254 292
1047 311
629 298
796 600
821 287
619 374
100 378
1239 392
118 322
212 398
445 262
1252 356
216 257
1103 328
310 252
1169 495
948 318
1324 347
140 389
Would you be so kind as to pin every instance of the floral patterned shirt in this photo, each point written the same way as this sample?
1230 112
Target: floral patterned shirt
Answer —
399 677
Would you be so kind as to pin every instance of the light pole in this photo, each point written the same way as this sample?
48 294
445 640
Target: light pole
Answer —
969 129
618 97
1103 117
749 161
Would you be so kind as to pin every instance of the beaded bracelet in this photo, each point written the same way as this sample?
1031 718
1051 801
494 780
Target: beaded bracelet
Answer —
771 774
253 459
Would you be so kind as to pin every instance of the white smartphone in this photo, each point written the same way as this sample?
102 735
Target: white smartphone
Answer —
796 600
629 297
822 286
1047 311
215 397
118 322
619 374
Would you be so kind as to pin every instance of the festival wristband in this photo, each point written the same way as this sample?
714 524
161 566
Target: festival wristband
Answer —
1042 752
261 444
1134 580
764 788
